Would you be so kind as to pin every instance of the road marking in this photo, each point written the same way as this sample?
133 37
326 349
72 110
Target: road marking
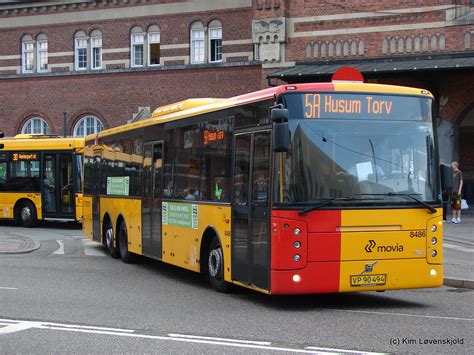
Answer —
219 339
400 314
19 325
13 328
458 247
8 288
92 248
339 350
60 250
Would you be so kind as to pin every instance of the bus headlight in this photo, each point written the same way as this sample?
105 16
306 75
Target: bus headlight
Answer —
297 245
297 257
297 231
434 253
434 240
434 228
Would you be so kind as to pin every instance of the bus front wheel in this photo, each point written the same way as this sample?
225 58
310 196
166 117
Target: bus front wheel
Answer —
27 215
110 242
215 267
125 255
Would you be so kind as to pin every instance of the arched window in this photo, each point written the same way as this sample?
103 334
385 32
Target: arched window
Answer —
345 48
138 43
442 42
96 47
331 49
27 54
385 46
338 49
401 45
434 42
42 53
35 125
80 42
467 40
153 45
361 47
309 50
87 125
323 50
409 44
425 44
316 50
215 41
197 43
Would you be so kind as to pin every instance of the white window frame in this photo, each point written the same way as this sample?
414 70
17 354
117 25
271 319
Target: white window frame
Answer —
39 52
96 44
135 43
31 123
81 46
25 52
214 38
150 42
97 126
202 45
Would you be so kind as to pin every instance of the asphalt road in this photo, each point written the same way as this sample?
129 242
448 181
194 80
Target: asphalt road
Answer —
70 297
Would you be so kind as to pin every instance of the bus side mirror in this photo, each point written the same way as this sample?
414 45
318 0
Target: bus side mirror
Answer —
281 130
2 134
446 176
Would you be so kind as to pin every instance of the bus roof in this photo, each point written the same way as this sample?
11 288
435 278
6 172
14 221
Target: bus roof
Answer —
41 142
193 107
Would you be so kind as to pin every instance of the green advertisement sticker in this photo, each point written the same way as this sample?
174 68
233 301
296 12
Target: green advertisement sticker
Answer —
118 185
178 214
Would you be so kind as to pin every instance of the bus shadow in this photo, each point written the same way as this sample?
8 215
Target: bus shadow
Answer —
363 301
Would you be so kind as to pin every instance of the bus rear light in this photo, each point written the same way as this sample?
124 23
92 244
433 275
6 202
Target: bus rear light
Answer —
434 240
297 245
296 278
433 272
297 258
434 253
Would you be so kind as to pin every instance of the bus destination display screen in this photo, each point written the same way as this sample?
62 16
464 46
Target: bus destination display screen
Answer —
357 106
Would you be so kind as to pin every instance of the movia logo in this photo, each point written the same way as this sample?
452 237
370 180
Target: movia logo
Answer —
370 246
397 248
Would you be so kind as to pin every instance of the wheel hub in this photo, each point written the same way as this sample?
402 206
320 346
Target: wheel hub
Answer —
215 261
25 214
109 236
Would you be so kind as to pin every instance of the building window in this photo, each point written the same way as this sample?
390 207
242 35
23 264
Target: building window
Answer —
96 49
215 44
35 125
87 125
81 50
137 49
42 55
197 43
28 57
153 45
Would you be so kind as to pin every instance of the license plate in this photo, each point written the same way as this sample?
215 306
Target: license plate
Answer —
368 280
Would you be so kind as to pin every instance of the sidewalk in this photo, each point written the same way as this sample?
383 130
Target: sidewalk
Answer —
459 253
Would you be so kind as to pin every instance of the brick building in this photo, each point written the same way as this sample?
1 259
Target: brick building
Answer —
101 63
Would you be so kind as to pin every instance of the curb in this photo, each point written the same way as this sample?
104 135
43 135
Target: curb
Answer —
17 245
458 283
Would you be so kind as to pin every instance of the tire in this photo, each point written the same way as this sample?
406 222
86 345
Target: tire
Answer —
125 255
215 267
110 242
27 216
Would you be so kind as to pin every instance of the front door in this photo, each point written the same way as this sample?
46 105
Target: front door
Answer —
251 209
151 205
58 187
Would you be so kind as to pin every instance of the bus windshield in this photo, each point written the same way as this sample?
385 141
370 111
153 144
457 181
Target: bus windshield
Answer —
374 155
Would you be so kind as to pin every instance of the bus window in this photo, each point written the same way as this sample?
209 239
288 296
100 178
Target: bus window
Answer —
24 174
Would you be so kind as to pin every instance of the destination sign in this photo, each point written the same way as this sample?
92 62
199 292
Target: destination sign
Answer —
357 106
24 156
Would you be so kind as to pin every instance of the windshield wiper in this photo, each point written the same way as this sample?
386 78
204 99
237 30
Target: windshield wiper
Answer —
430 208
325 203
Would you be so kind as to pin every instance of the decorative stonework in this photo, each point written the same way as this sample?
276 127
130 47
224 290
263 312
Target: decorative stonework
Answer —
413 44
324 50
269 35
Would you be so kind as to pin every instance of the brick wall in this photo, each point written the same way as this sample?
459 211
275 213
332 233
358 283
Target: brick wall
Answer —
114 97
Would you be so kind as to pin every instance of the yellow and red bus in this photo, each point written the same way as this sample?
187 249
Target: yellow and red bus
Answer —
40 178
302 188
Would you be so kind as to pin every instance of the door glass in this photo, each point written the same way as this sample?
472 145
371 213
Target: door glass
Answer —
65 183
261 169
49 183
240 209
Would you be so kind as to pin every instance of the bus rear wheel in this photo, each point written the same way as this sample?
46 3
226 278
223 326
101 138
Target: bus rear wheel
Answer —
110 241
26 215
125 255
215 267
